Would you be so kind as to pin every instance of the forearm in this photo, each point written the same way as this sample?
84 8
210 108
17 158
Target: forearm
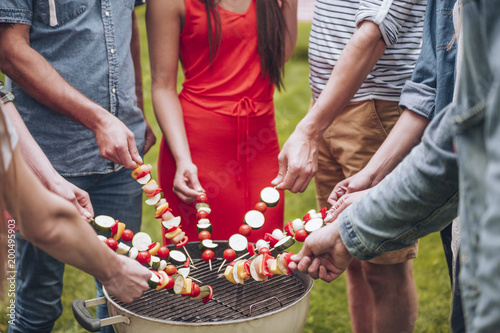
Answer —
419 197
289 10
29 148
52 223
355 62
406 134
31 71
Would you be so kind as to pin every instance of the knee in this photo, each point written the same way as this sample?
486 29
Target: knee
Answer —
386 277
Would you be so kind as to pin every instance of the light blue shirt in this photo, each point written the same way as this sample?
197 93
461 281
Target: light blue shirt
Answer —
434 184
88 43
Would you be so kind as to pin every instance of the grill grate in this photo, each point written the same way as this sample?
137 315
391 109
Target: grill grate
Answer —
230 301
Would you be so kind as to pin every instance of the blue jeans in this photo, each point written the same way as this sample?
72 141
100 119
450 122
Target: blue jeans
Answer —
40 277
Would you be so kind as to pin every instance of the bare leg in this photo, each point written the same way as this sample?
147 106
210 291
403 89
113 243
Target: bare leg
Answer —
394 296
360 296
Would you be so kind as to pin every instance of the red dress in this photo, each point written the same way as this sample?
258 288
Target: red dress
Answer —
229 118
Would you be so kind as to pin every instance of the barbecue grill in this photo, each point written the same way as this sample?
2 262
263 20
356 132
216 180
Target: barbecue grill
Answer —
277 305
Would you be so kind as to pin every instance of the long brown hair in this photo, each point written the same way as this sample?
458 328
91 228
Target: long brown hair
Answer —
271 29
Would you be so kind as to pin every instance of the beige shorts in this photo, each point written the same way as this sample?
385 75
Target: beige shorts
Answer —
348 145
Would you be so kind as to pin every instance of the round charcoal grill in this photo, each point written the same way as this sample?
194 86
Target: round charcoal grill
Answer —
277 305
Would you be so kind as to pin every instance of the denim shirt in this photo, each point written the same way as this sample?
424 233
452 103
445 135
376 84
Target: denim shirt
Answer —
88 43
432 83
420 196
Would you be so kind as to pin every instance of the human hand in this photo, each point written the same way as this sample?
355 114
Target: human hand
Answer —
186 183
323 255
117 143
345 201
72 193
358 182
150 138
298 163
129 281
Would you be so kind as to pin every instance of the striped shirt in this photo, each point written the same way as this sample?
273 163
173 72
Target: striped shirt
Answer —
401 24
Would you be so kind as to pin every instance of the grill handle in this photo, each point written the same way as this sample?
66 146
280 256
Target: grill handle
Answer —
264 300
85 318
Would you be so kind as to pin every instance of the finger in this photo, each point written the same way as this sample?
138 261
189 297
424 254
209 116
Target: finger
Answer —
304 264
326 275
313 269
292 266
282 161
134 152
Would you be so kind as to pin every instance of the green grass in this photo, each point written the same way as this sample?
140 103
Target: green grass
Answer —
328 306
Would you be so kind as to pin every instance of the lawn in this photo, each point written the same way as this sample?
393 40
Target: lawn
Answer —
328 305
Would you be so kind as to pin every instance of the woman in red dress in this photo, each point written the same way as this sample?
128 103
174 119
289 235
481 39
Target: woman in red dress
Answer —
219 132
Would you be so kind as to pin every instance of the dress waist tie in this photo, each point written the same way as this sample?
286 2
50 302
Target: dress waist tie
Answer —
245 107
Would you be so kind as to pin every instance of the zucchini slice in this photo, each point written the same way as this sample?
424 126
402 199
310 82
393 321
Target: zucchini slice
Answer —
179 283
203 227
177 257
153 281
122 248
314 224
238 242
207 244
141 241
270 196
284 243
103 223
175 222
254 219
154 262
236 277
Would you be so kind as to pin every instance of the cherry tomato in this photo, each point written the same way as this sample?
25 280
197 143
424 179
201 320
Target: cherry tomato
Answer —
127 235
144 257
202 197
301 235
208 255
261 207
264 250
202 214
171 270
112 243
170 283
229 254
163 252
195 290
204 235
245 230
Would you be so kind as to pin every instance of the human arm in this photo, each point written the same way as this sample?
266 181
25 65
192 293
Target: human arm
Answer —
419 197
54 225
323 254
31 71
43 169
163 22
406 133
135 50
289 10
298 158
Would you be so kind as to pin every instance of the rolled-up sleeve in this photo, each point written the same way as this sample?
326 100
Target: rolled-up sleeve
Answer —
389 15
419 197
16 11
419 98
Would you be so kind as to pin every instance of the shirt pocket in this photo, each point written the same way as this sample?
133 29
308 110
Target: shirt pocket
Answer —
470 117
129 3
56 13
